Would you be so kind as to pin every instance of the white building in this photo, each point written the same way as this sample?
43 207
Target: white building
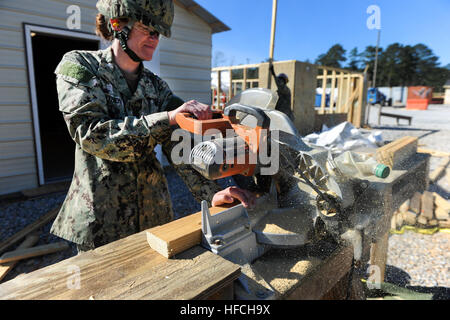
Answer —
35 148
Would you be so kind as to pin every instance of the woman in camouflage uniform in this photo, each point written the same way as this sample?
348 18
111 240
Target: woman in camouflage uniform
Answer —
117 112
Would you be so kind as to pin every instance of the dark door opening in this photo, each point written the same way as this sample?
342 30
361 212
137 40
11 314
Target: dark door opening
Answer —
58 148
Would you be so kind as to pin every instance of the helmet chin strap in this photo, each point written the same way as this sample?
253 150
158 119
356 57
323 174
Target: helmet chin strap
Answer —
122 35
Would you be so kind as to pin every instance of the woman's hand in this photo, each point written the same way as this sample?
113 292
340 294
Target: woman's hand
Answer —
199 110
229 194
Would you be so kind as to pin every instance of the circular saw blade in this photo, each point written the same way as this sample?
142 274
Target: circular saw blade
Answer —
284 228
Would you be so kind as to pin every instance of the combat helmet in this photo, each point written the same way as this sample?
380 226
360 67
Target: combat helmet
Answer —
156 14
283 76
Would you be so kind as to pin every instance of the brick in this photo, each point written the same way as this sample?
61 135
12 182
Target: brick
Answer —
444 223
440 202
433 223
442 214
422 220
405 206
410 218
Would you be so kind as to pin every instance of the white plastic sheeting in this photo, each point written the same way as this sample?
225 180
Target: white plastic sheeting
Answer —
344 137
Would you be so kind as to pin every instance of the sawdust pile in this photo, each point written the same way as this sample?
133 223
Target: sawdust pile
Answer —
284 273
294 221
283 223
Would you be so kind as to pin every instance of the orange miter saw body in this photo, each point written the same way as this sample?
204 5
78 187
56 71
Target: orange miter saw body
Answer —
230 147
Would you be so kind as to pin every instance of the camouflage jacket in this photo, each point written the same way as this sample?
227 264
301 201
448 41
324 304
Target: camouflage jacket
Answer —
118 187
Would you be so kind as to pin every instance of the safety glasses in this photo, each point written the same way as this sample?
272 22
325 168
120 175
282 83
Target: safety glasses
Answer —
146 30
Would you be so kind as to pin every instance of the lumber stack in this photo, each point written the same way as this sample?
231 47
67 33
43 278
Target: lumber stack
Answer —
26 250
423 210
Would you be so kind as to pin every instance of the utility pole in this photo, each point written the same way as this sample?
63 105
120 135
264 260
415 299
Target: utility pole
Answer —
272 37
374 22
374 78
374 81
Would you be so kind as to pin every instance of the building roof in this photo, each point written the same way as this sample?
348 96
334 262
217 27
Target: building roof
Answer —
192 6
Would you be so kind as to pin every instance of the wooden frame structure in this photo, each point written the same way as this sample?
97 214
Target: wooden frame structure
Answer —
350 91
348 104
236 84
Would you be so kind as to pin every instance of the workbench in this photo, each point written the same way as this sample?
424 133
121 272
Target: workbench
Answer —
130 269
127 269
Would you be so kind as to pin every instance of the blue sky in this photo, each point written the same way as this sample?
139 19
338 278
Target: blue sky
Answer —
306 29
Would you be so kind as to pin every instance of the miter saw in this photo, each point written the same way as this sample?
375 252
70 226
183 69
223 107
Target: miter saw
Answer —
303 192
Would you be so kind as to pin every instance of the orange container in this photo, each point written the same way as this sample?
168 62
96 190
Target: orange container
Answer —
417 104
419 98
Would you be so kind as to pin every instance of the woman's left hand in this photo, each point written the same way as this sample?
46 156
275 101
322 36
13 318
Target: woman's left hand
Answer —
199 110
229 194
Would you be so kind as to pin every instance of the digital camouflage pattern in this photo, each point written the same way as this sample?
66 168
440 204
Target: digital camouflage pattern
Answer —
118 187
157 14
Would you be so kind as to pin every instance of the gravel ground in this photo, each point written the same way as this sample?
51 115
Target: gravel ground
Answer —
425 258
415 260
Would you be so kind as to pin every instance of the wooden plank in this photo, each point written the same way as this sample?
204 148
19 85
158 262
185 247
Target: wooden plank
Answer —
427 205
433 223
179 235
340 92
29 241
396 152
410 218
434 176
434 153
350 103
345 289
42 221
442 214
378 254
20 254
440 202
422 220
357 117
415 203
405 206
324 276
324 92
348 95
126 269
444 223
46 189
333 86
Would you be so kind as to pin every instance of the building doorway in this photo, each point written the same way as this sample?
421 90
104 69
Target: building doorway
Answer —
54 147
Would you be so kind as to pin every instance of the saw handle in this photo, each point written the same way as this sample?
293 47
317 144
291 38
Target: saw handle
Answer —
190 123
263 121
